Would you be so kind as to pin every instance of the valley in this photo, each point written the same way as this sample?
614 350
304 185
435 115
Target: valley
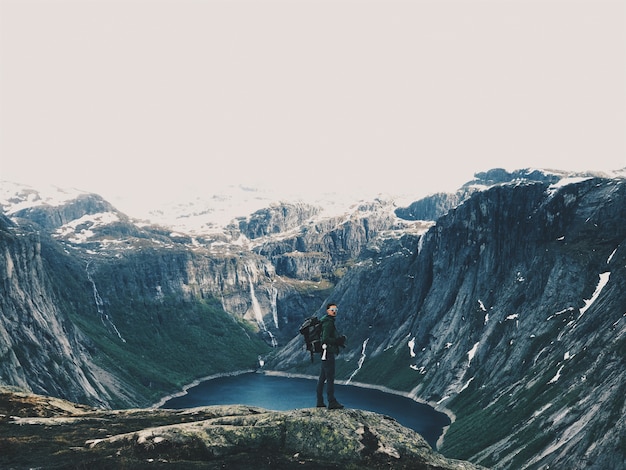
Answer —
503 303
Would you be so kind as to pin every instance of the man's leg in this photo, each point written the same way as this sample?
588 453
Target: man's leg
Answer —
320 386
330 377
333 404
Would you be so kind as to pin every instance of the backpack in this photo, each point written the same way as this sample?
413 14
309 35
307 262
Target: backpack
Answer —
311 330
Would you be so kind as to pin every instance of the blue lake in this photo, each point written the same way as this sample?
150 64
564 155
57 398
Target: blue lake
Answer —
287 393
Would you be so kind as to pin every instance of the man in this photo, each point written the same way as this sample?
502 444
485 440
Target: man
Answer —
331 341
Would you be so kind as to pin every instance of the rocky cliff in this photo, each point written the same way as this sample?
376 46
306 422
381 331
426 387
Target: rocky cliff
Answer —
41 348
100 310
510 311
43 432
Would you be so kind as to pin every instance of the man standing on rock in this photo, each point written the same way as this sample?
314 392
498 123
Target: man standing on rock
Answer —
331 341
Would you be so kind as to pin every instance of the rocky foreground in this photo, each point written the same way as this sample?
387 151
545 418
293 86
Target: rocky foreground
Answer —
49 433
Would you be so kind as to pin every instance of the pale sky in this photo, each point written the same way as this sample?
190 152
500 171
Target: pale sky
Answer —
147 100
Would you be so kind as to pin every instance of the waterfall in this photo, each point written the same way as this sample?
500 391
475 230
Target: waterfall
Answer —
273 296
256 308
360 363
420 243
106 320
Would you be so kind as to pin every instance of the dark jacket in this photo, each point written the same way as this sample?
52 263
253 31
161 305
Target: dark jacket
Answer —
330 336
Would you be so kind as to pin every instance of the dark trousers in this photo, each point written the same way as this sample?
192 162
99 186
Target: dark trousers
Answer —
327 375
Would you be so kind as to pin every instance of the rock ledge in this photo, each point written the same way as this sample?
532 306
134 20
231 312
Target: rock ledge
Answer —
51 433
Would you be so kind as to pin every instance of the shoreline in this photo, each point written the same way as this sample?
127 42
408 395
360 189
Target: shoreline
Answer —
162 401
435 406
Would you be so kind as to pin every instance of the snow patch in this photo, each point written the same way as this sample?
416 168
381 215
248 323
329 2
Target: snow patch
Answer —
466 384
557 376
541 410
421 370
15 197
608 261
471 353
554 188
76 233
604 278
443 399
411 345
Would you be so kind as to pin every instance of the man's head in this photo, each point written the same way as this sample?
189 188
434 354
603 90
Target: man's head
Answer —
331 309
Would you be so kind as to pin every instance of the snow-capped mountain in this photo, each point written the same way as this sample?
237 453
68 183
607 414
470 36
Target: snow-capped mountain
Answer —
502 304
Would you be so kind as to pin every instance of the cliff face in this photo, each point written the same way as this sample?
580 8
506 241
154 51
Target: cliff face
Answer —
207 437
510 311
41 348
278 218
320 248
101 311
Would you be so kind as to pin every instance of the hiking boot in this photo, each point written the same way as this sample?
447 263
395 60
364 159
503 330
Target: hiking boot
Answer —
335 405
321 404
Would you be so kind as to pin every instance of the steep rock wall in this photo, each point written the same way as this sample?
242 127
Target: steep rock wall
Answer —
97 328
41 349
510 311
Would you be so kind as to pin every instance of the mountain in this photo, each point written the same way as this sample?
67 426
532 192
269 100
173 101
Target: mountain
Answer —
103 310
502 303
511 312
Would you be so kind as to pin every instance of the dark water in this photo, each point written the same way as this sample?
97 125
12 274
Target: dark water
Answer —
282 393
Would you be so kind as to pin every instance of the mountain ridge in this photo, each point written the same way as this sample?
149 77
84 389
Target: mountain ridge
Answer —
495 281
